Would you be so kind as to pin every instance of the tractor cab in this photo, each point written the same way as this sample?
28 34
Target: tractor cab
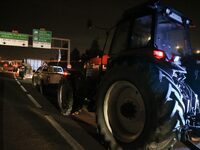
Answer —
171 33
152 30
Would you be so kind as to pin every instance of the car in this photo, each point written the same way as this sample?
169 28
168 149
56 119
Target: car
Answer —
47 76
7 67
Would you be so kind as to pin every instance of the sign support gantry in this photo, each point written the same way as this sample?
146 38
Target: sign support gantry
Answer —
41 39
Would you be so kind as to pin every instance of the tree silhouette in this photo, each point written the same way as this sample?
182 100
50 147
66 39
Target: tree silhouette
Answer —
94 49
75 55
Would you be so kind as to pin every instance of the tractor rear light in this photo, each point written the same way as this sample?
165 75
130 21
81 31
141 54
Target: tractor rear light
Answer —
159 54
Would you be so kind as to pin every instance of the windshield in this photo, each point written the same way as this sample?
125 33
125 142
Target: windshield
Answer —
171 37
57 69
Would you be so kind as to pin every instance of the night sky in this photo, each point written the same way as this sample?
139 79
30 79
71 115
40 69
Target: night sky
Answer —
68 18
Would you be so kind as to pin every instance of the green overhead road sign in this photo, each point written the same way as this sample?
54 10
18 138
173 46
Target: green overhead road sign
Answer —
42 38
13 39
10 35
42 35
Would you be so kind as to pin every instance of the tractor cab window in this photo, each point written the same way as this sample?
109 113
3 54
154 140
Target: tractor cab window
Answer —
171 37
133 34
120 41
141 32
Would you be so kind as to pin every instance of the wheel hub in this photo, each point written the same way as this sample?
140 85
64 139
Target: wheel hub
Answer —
128 110
124 111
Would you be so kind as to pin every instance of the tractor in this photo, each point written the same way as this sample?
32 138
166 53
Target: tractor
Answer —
140 96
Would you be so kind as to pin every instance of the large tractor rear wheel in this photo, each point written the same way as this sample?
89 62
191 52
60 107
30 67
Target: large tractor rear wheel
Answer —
65 97
134 110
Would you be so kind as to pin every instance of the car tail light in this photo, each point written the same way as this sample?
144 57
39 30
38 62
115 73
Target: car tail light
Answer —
65 73
5 65
159 54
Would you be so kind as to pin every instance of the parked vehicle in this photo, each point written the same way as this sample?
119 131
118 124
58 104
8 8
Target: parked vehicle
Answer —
47 76
6 66
141 100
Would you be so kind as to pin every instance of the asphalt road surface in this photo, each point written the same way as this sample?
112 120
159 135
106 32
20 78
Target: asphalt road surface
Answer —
31 121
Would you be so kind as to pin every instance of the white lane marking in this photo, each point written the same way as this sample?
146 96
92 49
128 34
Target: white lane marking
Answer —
34 101
29 96
68 138
18 82
23 89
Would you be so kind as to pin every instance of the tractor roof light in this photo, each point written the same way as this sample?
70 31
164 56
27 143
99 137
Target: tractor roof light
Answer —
173 15
168 11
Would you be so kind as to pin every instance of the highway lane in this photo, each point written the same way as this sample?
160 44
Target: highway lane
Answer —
31 122
80 125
